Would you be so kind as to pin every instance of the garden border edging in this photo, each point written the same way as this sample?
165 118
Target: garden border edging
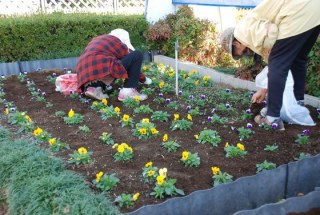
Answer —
223 78
240 197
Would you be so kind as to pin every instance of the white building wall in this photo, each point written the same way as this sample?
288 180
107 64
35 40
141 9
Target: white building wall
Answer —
158 9
223 17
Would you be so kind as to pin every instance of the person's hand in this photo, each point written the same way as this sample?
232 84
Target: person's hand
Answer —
259 96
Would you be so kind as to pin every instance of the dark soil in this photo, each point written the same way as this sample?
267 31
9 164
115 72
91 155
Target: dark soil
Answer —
313 211
189 179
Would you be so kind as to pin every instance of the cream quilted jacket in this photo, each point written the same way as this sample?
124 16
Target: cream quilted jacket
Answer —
272 20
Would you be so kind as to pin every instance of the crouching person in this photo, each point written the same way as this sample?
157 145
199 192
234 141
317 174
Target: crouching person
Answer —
108 57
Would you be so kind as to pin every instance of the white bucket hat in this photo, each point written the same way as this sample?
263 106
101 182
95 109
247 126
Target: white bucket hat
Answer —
123 35
226 40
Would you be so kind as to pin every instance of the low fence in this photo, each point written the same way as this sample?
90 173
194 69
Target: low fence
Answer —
28 7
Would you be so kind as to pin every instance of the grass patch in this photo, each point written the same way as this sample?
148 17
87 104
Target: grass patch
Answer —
38 183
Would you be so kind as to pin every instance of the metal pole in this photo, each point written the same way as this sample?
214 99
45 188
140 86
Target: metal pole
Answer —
176 48
220 19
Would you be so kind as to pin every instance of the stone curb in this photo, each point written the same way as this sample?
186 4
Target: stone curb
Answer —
223 78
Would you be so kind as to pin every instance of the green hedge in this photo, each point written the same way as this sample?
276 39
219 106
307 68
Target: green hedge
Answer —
61 35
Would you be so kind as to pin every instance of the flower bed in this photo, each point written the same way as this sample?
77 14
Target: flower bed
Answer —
184 136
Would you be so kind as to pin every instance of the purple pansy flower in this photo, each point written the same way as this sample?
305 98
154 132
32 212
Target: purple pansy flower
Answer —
318 110
248 111
160 94
191 97
71 92
209 118
180 92
86 102
306 132
168 101
188 108
274 125
249 125
228 90
228 105
43 94
202 96
12 109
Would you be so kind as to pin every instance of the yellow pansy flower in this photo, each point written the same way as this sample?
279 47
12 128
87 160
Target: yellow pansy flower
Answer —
148 164
104 102
145 120
6 111
98 176
135 196
71 113
120 148
82 150
171 74
151 173
161 84
227 144
144 68
206 78
143 131
125 117
137 98
176 116
196 136
161 65
196 82
95 103
189 117
28 118
154 131
52 141
185 155
165 137
215 170
130 149
117 109
192 72
125 145
160 179
37 132
240 146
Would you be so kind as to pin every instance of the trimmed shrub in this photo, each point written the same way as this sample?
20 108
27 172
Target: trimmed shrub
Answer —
61 35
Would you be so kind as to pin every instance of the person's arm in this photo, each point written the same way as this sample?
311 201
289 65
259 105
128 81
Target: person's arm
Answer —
259 96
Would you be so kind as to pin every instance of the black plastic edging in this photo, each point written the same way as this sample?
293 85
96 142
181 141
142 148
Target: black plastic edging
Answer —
248 194
15 68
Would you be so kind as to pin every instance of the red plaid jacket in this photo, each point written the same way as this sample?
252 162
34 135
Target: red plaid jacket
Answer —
100 58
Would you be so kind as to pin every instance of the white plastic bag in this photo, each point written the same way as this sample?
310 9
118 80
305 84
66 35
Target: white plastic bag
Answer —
290 112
